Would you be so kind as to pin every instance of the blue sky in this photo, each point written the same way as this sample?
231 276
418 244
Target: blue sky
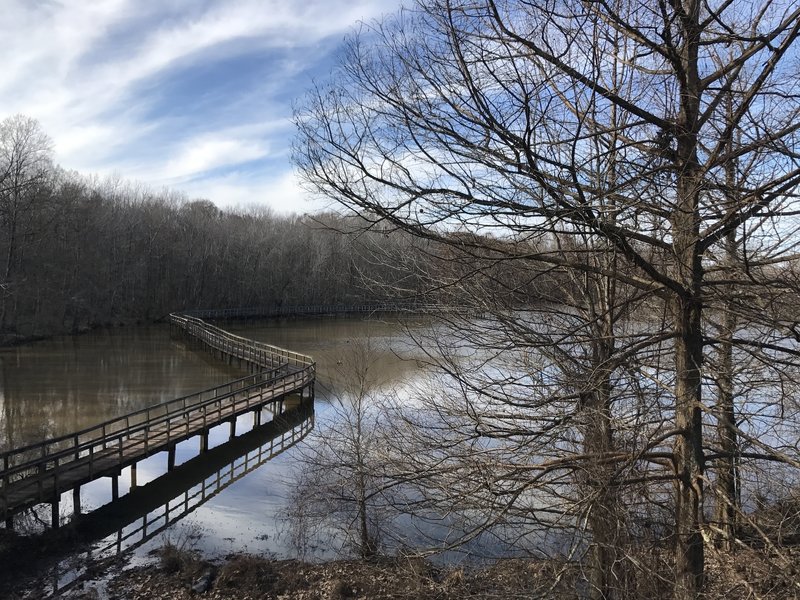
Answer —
195 95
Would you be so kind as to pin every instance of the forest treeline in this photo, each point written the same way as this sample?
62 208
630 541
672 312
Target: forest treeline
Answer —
77 251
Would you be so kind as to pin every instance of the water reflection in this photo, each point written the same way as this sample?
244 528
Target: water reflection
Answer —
57 386
327 338
148 511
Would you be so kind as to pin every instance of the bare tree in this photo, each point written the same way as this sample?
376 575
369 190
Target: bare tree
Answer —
25 164
338 487
493 117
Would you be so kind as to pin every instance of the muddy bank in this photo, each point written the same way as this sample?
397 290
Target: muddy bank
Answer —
177 574
243 577
180 576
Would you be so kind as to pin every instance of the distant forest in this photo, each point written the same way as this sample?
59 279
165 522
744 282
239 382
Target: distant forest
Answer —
77 252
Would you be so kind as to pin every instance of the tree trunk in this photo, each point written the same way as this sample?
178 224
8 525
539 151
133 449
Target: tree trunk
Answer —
688 449
727 503
727 484
687 313
603 518
6 293
598 441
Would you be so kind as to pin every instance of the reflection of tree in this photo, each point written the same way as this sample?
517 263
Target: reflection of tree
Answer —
337 485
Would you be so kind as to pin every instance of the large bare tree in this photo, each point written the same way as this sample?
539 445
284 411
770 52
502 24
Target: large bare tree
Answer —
662 133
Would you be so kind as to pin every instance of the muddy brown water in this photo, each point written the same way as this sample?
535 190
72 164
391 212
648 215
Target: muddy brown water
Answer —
53 387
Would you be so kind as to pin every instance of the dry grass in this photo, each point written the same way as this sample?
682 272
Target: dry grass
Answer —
748 574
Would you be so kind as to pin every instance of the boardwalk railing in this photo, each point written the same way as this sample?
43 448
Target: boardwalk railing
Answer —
245 349
153 521
41 472
149 511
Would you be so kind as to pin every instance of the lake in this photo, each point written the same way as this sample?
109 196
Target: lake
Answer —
232 500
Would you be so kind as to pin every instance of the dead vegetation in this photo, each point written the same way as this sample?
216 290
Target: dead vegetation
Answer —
244 576
749 574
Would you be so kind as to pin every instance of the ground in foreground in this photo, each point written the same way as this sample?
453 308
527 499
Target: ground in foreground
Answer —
244 577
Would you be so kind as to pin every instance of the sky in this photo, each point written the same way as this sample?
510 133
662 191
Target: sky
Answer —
193 95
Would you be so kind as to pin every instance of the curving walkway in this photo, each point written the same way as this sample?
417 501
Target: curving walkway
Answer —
40 473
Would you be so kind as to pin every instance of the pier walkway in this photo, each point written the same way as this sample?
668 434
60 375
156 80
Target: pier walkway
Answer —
40 473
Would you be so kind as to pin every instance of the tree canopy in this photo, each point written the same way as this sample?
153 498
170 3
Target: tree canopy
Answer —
645 155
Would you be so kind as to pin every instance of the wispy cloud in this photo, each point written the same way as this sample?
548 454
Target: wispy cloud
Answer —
196 95
213 153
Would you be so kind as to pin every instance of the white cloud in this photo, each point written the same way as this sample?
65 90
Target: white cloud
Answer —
281 192
210 153
80 68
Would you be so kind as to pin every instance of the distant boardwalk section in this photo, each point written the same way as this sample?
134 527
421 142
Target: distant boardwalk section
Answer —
41 472
310 310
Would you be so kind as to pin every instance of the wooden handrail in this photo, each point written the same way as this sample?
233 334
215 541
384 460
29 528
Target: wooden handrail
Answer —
247 348
281 371
151 421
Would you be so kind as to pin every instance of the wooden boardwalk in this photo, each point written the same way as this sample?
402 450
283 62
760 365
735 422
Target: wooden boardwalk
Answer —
41 472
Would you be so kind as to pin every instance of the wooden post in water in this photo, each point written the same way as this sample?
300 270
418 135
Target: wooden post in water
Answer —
115 486
233 428
204 441
307 393
54 520
76 500
256 418
171 458
133 475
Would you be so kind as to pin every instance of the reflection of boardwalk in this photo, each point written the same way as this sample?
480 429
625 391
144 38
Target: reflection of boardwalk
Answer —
39 473
148 510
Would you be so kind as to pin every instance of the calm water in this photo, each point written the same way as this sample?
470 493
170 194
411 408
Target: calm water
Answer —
234 500
329 340
53 387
